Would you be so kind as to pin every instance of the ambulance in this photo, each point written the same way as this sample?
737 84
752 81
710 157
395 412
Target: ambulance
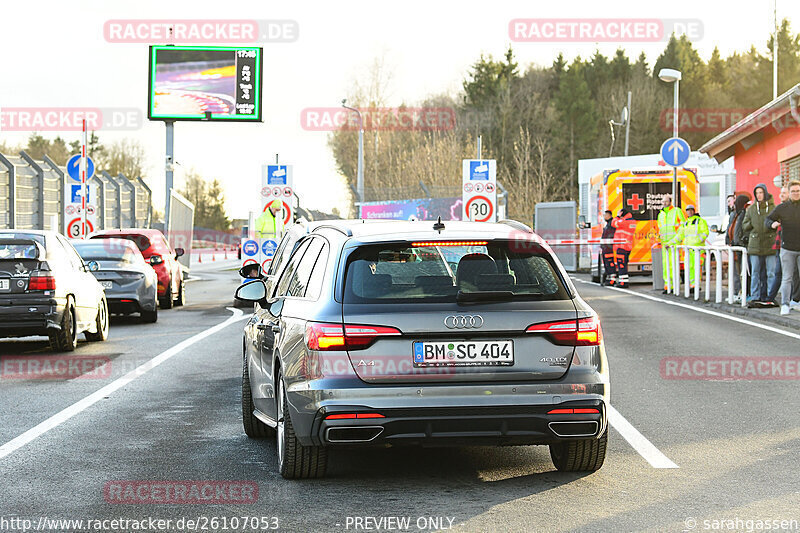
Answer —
640 191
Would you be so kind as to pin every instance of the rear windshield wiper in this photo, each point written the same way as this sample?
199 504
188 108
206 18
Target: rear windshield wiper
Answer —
484 296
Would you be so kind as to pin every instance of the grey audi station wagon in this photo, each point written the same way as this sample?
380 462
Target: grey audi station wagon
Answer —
421 333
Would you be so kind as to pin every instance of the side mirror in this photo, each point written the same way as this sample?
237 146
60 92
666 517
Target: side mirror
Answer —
252 291
93 266
251 270
582 224
156 260
715 228
179 252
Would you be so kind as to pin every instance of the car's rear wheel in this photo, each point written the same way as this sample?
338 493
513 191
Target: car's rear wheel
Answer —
181 299
580 455
295 461
166 301
66 338
149 317
253 427
100 324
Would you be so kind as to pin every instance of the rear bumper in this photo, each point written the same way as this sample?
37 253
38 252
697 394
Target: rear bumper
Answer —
126 302
444 415
509 425
23 315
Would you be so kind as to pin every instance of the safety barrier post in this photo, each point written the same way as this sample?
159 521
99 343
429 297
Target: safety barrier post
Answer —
745 270
731 261
686 271
676 271
698 253
708 273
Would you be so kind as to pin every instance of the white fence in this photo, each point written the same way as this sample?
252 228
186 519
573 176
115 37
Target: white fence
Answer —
674 281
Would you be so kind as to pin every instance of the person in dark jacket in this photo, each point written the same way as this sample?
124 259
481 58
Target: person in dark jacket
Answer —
787 217
607 251
795 303
763 259
735 237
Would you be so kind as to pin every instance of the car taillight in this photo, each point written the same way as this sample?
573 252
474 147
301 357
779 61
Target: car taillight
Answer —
350 416
578 411
582 332
41 283
320 336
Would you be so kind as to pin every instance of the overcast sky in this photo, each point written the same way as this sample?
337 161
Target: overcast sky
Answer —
53 53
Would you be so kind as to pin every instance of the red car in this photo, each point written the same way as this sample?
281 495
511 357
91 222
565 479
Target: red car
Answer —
157 251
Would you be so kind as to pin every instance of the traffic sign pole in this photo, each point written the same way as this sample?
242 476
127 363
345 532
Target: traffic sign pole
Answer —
83 181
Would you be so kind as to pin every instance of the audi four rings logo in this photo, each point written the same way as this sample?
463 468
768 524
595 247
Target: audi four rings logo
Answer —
463 321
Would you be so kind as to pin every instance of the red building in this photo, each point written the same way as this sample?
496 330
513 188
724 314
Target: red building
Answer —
766 144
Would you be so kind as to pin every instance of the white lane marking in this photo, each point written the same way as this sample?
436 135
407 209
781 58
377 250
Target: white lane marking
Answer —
81 405
698 309
638 441
625 428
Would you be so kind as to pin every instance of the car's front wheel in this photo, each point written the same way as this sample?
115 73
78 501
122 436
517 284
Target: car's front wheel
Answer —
295 461
100 324
580 455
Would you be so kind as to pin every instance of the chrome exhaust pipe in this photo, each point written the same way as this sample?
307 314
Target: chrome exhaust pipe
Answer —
575 428
345 434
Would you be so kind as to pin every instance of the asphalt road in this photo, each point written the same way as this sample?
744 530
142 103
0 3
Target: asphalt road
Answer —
736 444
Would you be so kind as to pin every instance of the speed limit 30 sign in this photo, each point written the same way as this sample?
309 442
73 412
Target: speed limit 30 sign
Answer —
74 228
479 190
479 209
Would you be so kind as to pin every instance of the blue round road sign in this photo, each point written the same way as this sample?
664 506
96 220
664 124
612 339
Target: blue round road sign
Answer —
250 248
74 167
268 247
675 151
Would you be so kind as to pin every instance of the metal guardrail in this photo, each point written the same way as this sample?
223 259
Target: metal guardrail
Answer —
674 281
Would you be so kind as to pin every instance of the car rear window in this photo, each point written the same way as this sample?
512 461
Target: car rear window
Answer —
141 242
108 250
18 250
451 271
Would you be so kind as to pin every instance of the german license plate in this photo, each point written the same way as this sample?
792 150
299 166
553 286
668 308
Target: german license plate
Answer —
4 284
464 353
647 268
107 284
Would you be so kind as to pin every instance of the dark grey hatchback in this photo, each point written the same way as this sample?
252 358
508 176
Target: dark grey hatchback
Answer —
415 333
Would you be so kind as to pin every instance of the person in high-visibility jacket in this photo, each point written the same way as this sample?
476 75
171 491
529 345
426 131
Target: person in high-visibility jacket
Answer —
607 251
693 232
625 227
269 224
670 219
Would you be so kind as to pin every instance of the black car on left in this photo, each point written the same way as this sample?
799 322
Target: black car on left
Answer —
47 289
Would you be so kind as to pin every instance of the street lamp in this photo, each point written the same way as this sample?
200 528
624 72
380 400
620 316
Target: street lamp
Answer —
670 75
360 177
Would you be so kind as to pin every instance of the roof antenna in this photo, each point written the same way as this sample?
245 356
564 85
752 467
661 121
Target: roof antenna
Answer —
438 225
